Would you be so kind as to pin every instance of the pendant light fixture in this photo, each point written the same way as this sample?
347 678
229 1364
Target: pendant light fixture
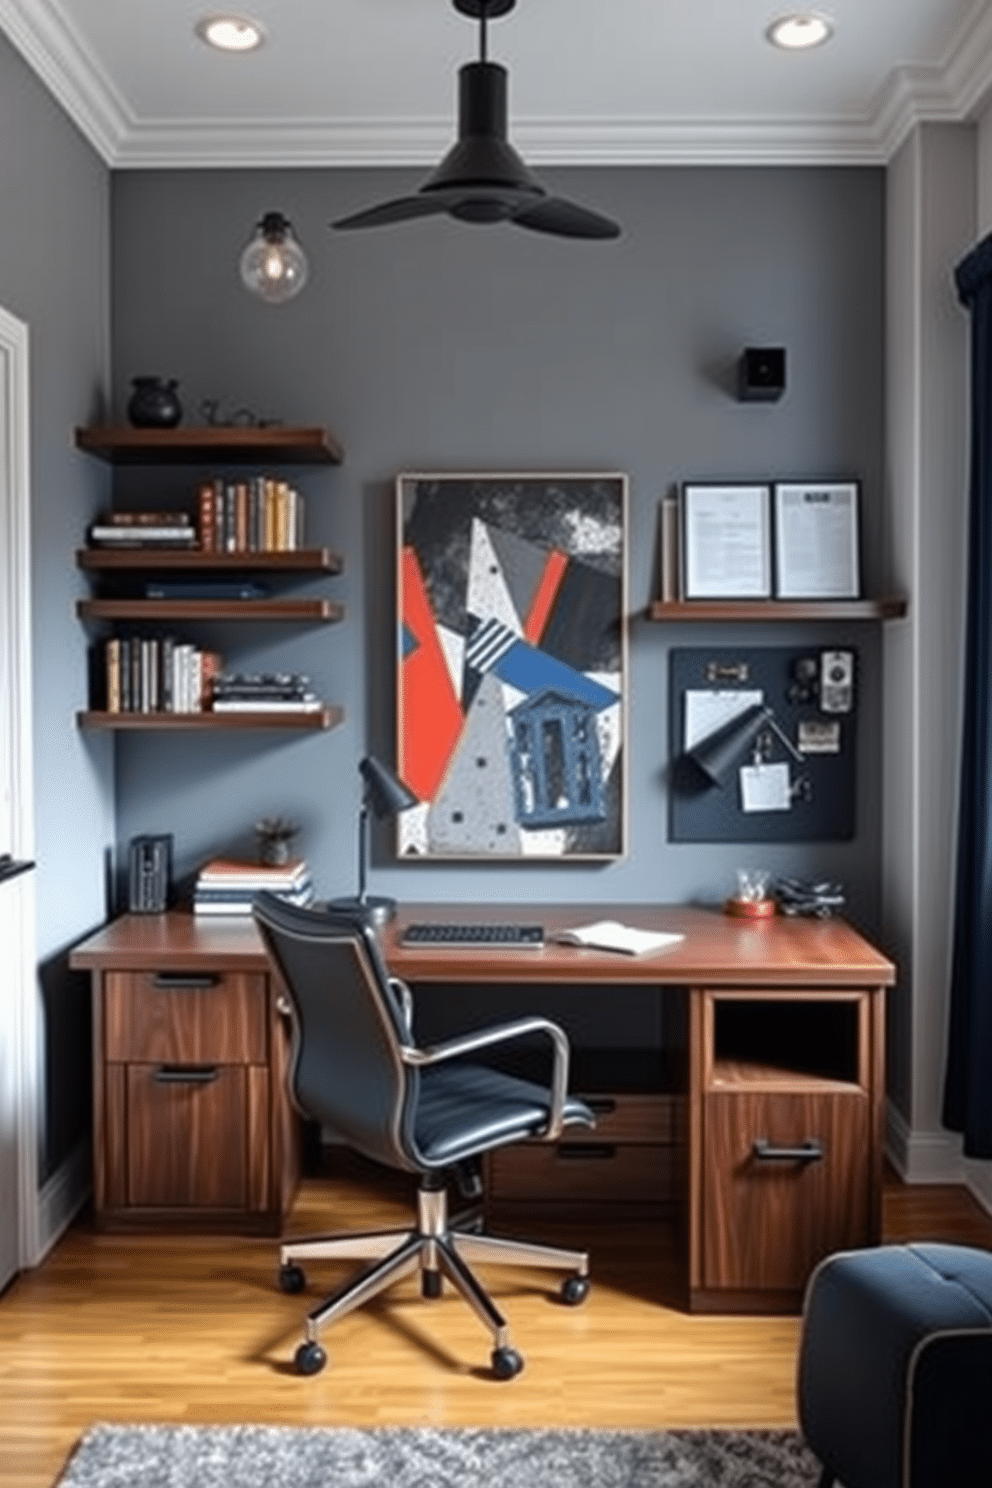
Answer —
273 265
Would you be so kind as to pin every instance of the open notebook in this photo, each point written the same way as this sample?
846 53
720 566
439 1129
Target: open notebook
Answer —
610 935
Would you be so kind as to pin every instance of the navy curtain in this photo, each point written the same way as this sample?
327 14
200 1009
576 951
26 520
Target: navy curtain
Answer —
968 1084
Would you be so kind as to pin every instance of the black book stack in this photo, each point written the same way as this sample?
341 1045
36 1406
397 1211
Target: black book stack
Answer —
266 692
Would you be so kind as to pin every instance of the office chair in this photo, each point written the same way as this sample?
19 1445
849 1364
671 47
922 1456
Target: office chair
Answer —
355 1068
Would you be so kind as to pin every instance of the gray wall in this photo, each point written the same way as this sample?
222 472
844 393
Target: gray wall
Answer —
436 346
54 276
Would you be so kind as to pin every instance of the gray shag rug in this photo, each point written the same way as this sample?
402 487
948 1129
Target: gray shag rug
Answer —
402 1457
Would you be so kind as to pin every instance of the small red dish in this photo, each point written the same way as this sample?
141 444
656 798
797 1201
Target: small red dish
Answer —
750 909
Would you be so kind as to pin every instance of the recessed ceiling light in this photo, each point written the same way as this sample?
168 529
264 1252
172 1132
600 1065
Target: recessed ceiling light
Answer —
796 33
230 33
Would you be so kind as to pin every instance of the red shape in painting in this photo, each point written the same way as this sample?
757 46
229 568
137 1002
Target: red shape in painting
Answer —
430 713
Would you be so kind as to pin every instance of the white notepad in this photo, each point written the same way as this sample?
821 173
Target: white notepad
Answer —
610 935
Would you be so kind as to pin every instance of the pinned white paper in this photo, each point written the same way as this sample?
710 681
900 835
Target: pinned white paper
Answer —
765 788
709 709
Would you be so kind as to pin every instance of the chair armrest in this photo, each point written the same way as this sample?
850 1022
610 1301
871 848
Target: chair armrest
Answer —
404 997
487 1038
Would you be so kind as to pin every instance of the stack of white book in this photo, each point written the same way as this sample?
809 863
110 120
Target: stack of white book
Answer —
226 886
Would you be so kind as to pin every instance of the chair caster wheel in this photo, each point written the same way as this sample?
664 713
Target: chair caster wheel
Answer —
291 1278
430 1283
575 1289
309 1358
506 1363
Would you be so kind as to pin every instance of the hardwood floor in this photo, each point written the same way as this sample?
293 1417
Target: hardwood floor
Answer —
194 1329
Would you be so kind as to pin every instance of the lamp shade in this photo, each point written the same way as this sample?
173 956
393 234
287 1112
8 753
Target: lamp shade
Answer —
717 754
384 790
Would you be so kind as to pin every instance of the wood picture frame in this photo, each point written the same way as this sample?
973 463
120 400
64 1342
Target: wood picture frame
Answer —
512 665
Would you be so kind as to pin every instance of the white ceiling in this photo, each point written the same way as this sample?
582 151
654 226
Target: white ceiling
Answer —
372 82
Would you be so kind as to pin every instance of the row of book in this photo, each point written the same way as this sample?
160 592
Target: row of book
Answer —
157 674
227 886
258 515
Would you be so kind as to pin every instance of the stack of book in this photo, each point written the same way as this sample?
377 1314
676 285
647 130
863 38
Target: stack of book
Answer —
144 529
226 886
260 515
267 692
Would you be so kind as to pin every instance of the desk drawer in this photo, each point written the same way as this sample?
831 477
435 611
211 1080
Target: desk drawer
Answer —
195 1136
631 1118
190 1017
582 1170
771 1207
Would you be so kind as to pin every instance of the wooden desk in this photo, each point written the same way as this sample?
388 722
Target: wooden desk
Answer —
780 1110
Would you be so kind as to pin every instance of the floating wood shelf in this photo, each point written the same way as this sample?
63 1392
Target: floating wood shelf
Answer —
777 609
217 445
327 718
298 560
210 609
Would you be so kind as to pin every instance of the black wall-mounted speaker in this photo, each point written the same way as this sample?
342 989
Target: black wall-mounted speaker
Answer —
762 374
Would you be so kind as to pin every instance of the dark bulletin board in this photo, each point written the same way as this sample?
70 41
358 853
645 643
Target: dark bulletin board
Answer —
823 802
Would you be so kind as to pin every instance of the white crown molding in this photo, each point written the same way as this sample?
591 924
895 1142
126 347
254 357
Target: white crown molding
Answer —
954 90
391 142
70 72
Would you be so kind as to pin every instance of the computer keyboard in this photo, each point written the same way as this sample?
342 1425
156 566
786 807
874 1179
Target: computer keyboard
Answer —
486 935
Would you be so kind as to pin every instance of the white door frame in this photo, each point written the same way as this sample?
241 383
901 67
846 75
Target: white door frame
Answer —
19 1011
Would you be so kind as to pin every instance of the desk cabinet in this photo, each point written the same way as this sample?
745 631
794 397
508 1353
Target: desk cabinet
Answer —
786 1104
192 1124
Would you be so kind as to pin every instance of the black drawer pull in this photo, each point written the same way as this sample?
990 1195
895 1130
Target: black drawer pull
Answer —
186 1074
600 1105
183 980
809 1151
586 1151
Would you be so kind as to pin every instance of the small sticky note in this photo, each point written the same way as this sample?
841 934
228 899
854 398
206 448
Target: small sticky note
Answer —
765 788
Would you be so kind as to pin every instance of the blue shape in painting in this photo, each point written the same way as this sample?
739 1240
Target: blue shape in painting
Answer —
532 671
408 642
556 761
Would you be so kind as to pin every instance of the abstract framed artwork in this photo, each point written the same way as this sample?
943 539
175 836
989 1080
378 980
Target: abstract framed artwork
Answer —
512 665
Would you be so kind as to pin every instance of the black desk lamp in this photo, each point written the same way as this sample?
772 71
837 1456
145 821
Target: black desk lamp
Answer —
386 795
717 754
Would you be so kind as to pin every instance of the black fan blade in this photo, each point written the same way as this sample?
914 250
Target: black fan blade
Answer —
400 210
556 215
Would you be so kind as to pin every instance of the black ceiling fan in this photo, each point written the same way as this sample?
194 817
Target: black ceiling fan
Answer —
482 178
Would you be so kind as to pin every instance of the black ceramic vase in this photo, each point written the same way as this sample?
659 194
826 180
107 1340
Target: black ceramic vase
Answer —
154 403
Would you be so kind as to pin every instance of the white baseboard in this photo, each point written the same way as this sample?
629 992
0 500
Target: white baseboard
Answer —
934 1157
62 1196
922 1156
978 1176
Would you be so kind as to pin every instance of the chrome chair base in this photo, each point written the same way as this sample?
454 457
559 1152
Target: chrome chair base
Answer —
438 1247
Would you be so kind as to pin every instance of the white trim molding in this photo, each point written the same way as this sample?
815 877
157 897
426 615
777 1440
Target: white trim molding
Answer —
922 1157
62 1197
21 1001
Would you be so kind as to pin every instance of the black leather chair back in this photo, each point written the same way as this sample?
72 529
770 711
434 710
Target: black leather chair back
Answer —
346 1071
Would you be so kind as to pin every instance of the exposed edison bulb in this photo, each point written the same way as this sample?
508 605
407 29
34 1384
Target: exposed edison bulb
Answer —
273 265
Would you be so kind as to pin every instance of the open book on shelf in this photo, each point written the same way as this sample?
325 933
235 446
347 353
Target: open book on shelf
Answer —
610 935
